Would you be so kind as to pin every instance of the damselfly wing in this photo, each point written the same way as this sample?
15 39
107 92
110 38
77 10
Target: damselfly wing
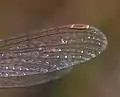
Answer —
44 55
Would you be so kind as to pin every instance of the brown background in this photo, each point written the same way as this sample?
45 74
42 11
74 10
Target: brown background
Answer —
97 78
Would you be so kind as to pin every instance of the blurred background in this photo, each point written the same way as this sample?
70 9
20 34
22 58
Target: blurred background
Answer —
99 77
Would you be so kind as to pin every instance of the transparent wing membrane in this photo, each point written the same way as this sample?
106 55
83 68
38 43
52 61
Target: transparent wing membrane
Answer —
47 53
